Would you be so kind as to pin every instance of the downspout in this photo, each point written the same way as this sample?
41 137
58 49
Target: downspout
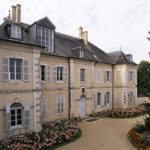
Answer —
69 90
112 86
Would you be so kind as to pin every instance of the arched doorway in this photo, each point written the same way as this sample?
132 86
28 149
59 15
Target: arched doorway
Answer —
82 106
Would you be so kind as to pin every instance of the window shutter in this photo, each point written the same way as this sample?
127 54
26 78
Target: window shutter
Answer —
5 69
105 76
65 74
48 74
57 101
133 76
55 74
27 115
98 76
44 105
129 76
110 76
95 100
134 100
110 97
8 117
25 70
63 100
102 99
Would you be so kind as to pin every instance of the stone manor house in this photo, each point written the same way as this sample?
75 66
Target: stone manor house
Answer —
46 75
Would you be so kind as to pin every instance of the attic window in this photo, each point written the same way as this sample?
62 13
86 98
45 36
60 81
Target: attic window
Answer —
81 53
15 32
129 57
45 37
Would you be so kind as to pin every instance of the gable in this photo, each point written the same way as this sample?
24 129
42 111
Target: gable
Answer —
45 22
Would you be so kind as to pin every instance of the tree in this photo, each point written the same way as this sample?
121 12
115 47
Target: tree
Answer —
143 79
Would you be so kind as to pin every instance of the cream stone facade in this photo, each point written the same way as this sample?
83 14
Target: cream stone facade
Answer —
47 76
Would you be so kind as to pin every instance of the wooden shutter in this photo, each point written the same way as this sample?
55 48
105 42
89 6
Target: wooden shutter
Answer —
129 76
105 76
110 76
5 69
98 76
8 117
44 105
48 74
133 75
57 101
25 70
110 97
55 74
95 100
65 74
27 115
63 101
102 99
134 98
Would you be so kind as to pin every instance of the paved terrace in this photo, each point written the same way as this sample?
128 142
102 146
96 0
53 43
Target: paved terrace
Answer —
105 134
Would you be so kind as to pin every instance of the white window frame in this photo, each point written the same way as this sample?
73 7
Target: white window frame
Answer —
81 53
48 36
16 32
131 76
15 109
15 73
82 78
108 97
99 99
60 99
108 77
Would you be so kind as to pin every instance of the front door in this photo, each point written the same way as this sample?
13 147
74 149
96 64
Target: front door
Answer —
82 106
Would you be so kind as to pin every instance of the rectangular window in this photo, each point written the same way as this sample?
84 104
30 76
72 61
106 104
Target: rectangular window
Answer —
98 99
98 76
131 75
59 73
108 76
82 74
107 97
81 53
15 69
16 32
60 104
43 73
45 37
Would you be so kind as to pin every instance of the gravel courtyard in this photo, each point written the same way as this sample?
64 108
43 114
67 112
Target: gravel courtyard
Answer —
105 134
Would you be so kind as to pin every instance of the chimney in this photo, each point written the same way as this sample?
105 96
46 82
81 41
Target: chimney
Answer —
13 13
83 36
18 13
4 19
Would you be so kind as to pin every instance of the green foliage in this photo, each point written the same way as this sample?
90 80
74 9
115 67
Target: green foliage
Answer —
143 78
139 127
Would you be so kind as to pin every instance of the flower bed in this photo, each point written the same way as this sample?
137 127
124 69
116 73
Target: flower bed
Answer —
125 113
138 139
51 135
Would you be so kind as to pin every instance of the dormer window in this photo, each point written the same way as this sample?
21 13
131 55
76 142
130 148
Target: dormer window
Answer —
15 32
45 37
129 57
81 53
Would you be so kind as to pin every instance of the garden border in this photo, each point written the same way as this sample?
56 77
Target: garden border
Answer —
132 141
67 142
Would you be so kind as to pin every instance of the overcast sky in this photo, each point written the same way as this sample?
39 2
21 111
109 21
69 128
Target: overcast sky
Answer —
111 24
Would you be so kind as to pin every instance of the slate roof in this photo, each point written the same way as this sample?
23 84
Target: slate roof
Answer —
64 44
118 57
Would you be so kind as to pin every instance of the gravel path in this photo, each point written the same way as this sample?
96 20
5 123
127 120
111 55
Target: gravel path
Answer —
105 134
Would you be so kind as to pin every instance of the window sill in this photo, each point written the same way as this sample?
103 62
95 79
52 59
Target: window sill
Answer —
14 127
15 81
60 82
59 114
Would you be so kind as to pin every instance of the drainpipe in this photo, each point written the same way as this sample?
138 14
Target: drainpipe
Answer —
69 90
112 86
